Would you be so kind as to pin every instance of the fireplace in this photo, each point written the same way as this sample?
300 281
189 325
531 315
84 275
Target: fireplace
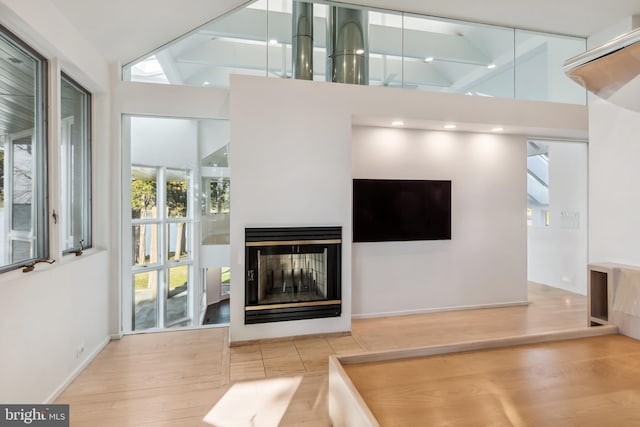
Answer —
292 273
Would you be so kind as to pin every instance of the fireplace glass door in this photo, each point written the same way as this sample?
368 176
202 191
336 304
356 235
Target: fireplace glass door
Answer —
292 278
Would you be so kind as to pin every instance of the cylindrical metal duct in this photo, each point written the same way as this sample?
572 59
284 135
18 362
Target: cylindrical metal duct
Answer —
302 40
347 46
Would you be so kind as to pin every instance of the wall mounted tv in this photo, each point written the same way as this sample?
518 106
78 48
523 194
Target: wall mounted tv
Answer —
401 210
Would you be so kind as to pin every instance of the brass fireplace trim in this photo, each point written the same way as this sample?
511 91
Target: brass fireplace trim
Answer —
294 242
292 305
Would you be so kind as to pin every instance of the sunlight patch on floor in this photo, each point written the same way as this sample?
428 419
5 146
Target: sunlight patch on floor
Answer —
254 403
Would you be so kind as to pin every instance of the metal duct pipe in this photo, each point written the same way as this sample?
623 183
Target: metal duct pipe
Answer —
302 48
347 46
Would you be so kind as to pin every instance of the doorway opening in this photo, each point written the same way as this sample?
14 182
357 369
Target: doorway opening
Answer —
557 214
176 222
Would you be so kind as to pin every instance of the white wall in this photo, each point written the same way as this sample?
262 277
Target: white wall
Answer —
614 193
214 285
213 134
557 254
49 315
614 155
291 166
485 260
163 141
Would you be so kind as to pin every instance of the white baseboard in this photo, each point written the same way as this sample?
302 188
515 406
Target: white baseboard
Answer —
58 391
438 310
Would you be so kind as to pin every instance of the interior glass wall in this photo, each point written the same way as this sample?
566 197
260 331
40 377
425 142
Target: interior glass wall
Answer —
538 72
557 214
456 56
215 219
269 37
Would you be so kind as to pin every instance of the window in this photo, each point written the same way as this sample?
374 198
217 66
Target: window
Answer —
162 250
23 211
75 166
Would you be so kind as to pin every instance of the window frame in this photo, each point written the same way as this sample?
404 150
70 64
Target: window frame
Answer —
87 175
40 139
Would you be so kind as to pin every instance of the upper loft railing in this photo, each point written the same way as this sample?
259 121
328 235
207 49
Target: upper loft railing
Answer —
401 50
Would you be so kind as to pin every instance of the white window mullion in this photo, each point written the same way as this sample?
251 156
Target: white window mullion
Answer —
161 203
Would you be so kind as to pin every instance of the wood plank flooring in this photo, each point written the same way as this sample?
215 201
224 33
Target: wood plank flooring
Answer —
176 378
582 382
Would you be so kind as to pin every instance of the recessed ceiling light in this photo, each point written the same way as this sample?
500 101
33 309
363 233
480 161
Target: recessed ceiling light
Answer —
359 51
273 41
450 126
397 123
498 129
205 83
428 59
491 66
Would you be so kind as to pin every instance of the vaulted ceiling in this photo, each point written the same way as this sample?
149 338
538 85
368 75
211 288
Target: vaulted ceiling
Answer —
123 30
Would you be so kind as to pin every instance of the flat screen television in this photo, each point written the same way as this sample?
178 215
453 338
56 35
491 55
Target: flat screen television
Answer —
387 210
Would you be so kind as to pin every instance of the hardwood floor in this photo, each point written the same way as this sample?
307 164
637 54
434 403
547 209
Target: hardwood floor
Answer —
581 382
176 378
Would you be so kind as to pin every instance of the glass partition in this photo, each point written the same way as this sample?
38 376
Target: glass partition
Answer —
232 44
297 38
557 214
385 49
279 39
456 56
539 75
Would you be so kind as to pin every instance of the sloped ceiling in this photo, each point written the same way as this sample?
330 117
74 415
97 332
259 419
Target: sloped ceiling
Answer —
580 18
124 30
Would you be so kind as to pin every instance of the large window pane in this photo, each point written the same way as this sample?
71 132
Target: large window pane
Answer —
76 165
23 157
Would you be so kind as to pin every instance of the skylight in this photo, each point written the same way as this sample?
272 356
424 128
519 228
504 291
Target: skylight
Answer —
149 70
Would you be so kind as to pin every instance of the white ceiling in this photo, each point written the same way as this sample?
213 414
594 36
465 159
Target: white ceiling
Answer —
123 30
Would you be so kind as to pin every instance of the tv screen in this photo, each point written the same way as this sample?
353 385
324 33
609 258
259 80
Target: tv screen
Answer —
401 210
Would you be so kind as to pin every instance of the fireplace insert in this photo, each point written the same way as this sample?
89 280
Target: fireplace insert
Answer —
292 273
